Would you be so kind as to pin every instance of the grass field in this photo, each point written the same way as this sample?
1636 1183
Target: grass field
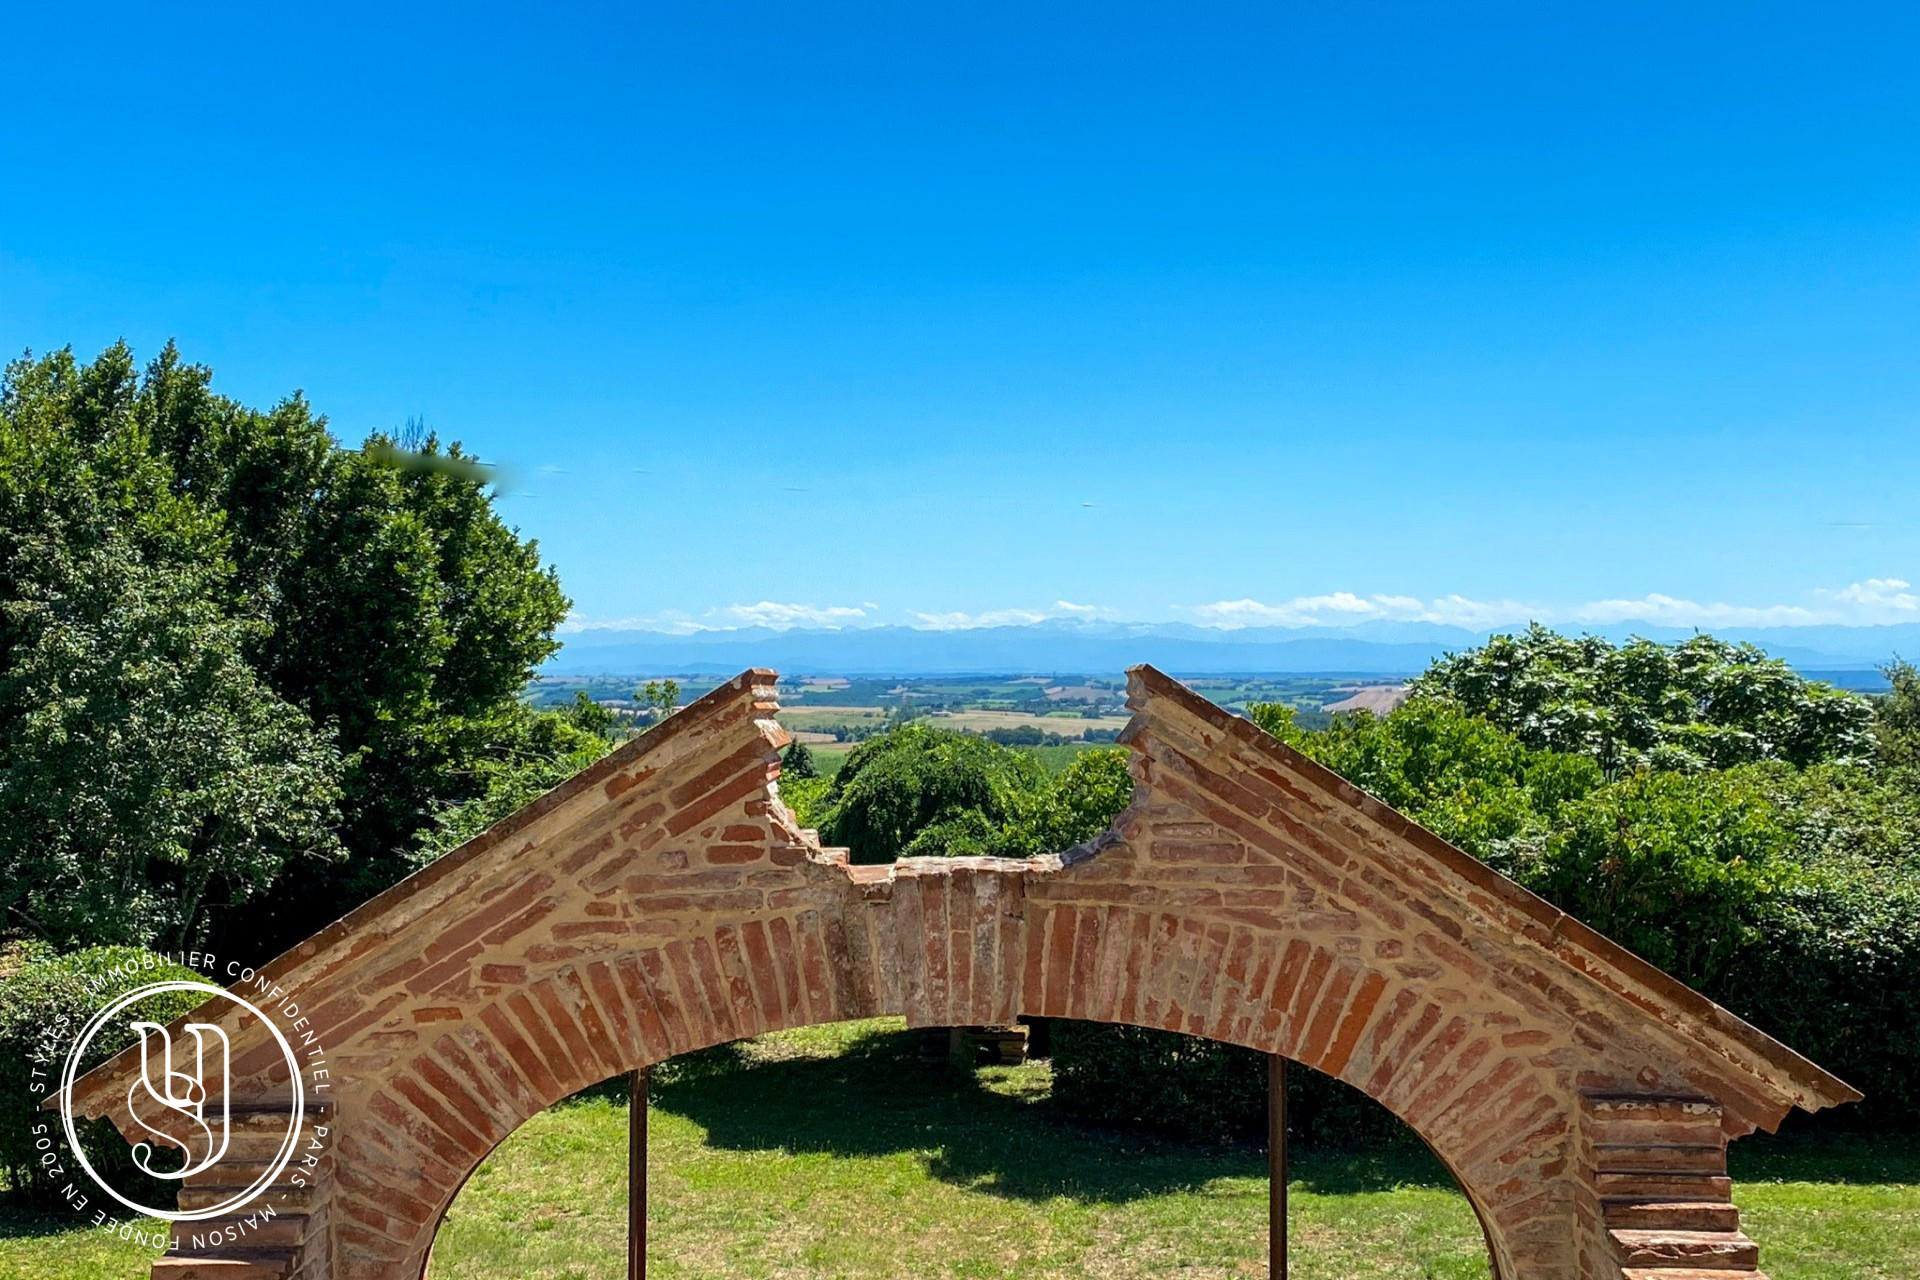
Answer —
836 1152
828 759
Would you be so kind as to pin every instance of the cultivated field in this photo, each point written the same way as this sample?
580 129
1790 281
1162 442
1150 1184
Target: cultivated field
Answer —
1067 725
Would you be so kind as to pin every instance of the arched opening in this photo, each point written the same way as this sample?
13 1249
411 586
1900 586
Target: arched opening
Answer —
664 901
859 1149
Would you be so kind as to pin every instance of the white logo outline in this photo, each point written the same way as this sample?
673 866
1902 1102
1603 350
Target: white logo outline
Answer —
190 1102
287 1147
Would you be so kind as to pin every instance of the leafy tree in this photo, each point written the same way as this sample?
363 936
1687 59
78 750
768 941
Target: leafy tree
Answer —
374 590
1700 704
1837 973
1678 868
797 765
1469 781
1080 804
917 790
588 716
407 620
660 695
536 753
147 773
1897 716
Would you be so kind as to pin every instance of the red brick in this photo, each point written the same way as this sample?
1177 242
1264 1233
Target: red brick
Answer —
732 855
768 999
936 939
959 913
560 1064
571 986
697 974
786 962
1253 898
1303 996
1358 1011
1200 1001
1319 1034
753 782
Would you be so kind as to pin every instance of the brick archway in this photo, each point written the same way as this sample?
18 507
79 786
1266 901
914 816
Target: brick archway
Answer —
664 900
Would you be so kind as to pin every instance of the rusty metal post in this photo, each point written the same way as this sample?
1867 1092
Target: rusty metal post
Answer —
1276 1167
637 1178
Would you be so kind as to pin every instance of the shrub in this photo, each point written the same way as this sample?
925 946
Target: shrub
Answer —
1700 704
1836 973
1789 895
1680 869
43 1005
916 786
1201 1090
1837 976
1080 804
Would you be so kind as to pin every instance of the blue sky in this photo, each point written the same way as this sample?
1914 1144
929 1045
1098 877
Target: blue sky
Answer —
938 314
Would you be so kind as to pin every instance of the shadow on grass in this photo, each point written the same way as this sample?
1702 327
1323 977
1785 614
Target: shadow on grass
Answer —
27 1222
878 1097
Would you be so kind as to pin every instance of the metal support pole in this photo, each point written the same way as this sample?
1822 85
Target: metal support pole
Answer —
637 1178
1277 1167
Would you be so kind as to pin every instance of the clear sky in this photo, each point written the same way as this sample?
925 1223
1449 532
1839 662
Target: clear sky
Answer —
1261 313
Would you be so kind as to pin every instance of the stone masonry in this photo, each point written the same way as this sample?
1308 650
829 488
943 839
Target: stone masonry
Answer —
664 900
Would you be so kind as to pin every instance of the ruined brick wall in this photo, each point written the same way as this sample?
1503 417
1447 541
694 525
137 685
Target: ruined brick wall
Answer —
664 901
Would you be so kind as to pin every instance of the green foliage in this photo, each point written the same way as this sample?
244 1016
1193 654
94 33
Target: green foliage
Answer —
147 772
1836 973
535 752
1699 704
1679 869
239 623
1897 716
1081 803
807 798
661 696
916 791
796 765
588 716
43 1006
408 617
1202 1090
1467 780
919 788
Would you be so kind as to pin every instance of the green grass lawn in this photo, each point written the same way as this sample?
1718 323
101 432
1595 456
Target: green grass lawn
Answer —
837 1152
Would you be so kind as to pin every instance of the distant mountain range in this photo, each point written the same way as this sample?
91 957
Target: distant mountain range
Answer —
1077 647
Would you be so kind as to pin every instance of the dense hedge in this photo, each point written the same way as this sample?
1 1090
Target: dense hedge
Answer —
1201 1090
1835 971
43 1005
1790 895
